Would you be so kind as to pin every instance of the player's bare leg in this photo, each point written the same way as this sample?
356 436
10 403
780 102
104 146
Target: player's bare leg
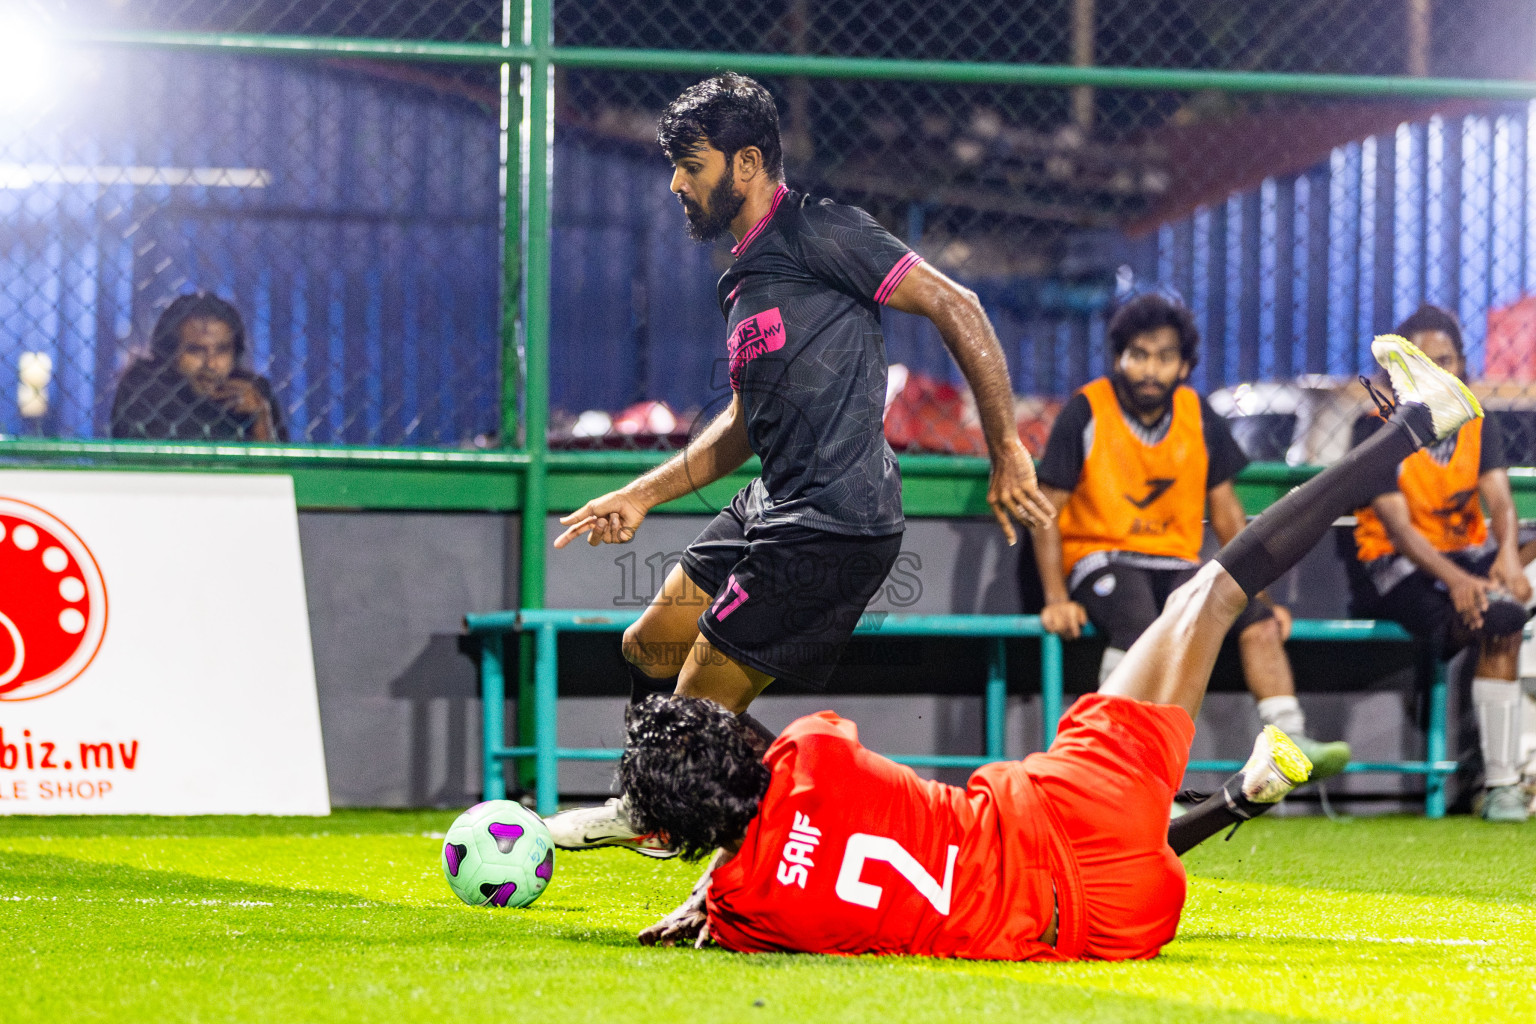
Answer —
1172 660
711 673
666 654
658 644
1265 667
1268 673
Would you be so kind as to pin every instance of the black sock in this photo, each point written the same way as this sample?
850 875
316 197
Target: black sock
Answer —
642 686
1223 809
1286 531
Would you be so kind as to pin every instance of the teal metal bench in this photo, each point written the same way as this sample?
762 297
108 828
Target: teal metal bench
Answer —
547 624
1434 767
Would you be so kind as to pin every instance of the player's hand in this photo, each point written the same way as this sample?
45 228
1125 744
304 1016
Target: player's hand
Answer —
239 395
1014 493
1469 595
611 519
677 928
688 923
1508 574
1064 618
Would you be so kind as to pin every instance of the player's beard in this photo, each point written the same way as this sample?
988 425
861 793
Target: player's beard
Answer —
1144 400
724 205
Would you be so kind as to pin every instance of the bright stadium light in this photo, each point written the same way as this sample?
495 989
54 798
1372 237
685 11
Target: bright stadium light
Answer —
28 62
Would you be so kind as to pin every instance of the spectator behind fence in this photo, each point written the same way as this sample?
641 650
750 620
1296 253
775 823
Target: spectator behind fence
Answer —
191 385
1429 561
1132 463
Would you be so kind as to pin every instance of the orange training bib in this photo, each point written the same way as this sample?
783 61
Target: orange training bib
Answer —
1442 500
1132 496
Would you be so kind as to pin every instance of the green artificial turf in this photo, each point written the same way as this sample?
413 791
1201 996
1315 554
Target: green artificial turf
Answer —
347 918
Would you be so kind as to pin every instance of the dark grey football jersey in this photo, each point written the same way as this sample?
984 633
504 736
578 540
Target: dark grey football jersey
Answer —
802 308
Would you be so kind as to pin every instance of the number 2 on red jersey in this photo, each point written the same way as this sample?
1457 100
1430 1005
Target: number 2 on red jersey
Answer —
864 847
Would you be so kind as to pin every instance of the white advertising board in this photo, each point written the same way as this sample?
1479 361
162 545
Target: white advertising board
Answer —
154 647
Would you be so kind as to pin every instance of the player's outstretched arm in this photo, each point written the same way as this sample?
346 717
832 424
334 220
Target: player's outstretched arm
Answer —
690 921
967 333
613 518
1061 614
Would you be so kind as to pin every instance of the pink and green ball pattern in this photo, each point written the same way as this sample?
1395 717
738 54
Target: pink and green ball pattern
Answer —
498 854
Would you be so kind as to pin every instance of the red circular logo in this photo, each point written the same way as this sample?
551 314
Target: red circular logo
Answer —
53 607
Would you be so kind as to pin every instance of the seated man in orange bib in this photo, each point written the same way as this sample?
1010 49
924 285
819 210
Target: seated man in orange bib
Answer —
826 847
1132 464
1429 561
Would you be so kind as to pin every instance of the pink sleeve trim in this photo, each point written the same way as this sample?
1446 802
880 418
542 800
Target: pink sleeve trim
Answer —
894 278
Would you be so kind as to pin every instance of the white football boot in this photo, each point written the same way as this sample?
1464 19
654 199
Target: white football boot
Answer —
1275 767
1416 378
586 828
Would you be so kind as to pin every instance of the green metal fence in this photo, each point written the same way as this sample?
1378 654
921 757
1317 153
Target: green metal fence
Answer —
1051 154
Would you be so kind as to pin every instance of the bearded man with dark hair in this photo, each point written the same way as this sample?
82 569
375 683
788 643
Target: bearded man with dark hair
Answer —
784 572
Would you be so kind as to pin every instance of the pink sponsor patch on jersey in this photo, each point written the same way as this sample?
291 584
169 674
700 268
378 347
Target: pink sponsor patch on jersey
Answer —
753 337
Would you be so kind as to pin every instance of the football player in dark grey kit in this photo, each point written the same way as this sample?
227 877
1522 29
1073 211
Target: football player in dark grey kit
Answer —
789 566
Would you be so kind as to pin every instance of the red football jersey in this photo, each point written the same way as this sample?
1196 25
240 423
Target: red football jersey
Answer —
853 853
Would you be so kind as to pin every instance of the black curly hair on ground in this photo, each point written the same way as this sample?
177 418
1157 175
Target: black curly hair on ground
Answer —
1149 312
692 771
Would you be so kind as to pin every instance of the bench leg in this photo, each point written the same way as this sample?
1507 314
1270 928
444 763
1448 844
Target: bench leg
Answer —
1434 743
996 710
493 705
1050 688
545 721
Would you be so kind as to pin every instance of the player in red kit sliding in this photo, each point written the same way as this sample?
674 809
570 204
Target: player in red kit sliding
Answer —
826 847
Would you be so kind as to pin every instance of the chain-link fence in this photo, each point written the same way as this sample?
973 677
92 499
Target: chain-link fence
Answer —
349 210
348 218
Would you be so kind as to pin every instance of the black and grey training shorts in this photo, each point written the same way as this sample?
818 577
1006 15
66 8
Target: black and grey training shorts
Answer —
785 598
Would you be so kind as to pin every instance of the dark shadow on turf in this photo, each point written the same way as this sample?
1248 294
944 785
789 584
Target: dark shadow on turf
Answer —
64 881
46 876
340 822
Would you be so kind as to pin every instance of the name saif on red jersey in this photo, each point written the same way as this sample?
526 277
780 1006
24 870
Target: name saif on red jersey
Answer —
853 853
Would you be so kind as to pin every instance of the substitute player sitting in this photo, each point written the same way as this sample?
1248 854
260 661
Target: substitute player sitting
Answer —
1133 462
827 847
786 569
1429 562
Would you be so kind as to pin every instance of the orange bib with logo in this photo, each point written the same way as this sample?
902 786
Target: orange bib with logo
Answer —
1132 496
1442 500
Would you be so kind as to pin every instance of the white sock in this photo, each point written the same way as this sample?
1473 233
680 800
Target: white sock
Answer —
1284 713
1528 730
1112 657
1498 720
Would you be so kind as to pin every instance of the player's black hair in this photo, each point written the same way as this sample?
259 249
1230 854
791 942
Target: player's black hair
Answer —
166 336
730 112
1433 318
691 771
1151 312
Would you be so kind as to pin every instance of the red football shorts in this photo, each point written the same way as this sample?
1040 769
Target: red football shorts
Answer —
1110 777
